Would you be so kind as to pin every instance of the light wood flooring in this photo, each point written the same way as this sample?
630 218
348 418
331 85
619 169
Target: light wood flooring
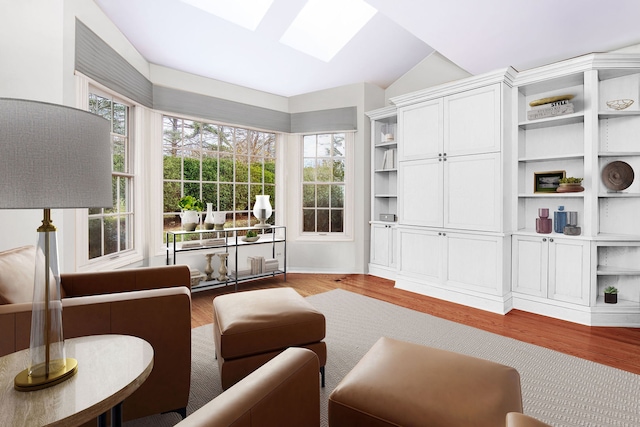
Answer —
616 347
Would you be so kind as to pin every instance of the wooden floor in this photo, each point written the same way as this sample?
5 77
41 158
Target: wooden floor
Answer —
616 347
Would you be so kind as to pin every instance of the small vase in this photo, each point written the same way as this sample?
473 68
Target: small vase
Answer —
262 210
219 218
208 220
190 220
543 223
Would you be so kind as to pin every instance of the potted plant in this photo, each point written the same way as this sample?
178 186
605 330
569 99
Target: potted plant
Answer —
570 184
190 207
251 236
611 295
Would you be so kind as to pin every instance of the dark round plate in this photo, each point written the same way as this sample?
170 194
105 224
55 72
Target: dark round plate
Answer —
617 175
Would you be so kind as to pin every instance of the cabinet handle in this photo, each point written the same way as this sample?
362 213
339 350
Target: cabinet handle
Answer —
544 239
439 233
439 154
444 234
551 240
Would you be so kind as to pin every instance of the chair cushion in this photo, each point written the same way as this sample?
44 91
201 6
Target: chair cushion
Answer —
17 267
264 320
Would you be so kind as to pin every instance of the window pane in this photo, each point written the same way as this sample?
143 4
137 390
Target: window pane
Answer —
210 195
120 118
270 171
95 238
171 196
192 167
338 171
100 106
339 145
309 142
226 168
337 196
192 189
308 220
226 197
325 170
309 170
309 196
114 196
119 154
209 167
257 171
322 197
172 167
172 135
242 197
256 190
191 139
242 169
323 221
324 145
210 137
337 220
110 235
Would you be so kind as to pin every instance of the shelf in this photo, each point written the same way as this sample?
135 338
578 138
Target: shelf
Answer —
574 156
566 119
622 304
615 114
619 195
605 237
576 195
604 270
386 196
386 144
206 285
619 154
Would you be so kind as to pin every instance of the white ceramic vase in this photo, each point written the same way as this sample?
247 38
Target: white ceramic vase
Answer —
190 220
262 210
209 219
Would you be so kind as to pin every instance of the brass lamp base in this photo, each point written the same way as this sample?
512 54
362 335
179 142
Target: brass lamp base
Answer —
26 382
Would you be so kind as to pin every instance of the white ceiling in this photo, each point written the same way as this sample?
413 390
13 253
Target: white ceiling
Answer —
477 35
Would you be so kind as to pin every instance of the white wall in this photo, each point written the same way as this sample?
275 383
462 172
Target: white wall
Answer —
435 69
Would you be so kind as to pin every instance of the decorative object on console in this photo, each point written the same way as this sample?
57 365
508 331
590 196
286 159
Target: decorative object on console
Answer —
208 269
388 217
572 229
262 210
619 104
543 223
550 107
51 157
547 182
251 236
570 185
190 216
208 219
223 267
559 220
219 218
617 175
611 295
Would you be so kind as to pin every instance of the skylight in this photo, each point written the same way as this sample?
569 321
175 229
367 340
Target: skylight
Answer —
324 27
246 13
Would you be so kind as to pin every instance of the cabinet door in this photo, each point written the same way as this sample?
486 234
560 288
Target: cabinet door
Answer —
569 278
393 253
420 130
420 193
421 254
473 192
472 121
475 262
380 244
530 265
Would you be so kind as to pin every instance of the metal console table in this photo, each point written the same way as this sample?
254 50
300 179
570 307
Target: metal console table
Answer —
225 239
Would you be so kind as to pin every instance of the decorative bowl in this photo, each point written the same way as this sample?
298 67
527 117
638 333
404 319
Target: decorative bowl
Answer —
619 104
250 239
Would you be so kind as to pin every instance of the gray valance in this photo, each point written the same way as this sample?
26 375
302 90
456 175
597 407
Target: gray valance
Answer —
99 61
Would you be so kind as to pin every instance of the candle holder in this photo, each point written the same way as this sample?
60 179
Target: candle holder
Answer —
262 210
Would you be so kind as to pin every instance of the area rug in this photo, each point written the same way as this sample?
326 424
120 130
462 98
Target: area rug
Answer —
558 389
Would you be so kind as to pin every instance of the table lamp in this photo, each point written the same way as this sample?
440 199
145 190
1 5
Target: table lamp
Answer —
51 157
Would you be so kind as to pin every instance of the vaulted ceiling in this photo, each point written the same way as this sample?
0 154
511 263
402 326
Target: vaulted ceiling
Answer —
476 35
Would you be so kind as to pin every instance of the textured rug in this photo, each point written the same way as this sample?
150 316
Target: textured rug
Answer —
558 389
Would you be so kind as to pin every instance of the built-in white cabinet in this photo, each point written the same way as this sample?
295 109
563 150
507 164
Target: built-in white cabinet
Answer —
552 268
383 245
581 143
451 197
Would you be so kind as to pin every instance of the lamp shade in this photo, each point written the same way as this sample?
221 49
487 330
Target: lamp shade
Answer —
53 156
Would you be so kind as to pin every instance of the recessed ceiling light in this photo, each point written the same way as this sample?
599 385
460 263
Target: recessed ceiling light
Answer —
246 13
323 27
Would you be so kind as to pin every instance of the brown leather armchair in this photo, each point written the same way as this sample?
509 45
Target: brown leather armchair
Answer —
283 392
152 303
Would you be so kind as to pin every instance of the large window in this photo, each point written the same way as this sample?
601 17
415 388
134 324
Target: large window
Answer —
223 165
111 229
323 183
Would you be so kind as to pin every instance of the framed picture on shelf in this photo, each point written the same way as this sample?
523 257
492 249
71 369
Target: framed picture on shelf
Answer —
547 182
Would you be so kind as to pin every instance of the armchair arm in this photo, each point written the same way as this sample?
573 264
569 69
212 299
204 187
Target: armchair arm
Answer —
283 392
134 279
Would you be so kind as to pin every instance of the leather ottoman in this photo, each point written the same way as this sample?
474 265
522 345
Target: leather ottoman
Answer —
252 327
403 384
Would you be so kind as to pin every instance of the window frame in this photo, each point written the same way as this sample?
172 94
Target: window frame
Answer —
348 220
135 254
